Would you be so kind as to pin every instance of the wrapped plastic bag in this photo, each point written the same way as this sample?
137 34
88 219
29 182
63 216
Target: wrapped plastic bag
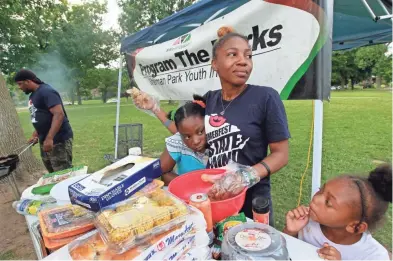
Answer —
144 101
197 253
232 182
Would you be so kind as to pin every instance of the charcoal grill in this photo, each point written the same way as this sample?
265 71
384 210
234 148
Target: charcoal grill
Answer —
7 165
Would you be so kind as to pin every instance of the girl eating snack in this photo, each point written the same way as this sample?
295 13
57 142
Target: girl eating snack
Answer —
342 213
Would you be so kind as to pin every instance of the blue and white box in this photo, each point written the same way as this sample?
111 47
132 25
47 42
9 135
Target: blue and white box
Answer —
115 182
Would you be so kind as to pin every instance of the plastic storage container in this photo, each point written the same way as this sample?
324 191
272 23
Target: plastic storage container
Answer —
134 221
55 244
89 247
65 221
253 241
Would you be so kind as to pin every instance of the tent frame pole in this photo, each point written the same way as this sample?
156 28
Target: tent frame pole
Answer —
385 9
383 17
371 12
118 104
317 147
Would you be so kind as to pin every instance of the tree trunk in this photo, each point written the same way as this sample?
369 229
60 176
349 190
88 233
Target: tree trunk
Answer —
72 94
104 96
378 81
351 84
12 137
343 82
78 94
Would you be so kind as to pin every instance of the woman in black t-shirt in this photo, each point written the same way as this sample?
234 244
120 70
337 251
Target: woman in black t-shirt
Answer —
242 121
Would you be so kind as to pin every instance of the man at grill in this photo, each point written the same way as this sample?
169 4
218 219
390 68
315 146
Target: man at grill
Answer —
50 121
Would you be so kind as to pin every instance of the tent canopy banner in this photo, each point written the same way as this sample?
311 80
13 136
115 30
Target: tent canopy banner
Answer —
290 41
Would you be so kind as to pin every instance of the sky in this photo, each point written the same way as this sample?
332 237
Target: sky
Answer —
110 19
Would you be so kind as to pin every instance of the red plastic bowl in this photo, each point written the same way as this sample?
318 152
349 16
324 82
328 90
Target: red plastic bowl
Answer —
190 183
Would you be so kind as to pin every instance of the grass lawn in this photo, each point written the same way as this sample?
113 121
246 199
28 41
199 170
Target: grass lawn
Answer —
7 255
357 130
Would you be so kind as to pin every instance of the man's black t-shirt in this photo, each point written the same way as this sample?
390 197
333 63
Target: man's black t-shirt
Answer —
44 98
242 134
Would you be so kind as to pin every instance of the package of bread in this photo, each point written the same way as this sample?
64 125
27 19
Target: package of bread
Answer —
65 221
138 219
92 247
89 247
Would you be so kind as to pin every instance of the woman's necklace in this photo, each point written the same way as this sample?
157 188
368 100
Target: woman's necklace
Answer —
224 108
222 102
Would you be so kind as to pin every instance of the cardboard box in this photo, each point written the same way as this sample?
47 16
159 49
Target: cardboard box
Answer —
115 182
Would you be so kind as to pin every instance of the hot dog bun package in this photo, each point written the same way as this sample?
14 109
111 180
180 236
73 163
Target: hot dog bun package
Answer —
170 244
114 183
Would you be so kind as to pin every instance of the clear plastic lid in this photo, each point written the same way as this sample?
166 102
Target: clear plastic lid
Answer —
89 247
134 221
65 221
254 241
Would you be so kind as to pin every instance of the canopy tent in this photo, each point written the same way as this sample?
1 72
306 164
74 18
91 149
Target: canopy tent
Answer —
356 23
353 25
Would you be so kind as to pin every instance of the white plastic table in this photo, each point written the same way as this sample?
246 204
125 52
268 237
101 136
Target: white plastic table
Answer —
298 250
37 246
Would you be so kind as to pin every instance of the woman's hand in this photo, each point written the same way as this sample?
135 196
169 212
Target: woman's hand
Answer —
232 182
329 253
296 220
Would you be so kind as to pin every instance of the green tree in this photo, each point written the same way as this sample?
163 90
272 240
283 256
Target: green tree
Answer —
105 80
138 14
83 44
371 60
383 70
344 70
25 30
33 32
360 65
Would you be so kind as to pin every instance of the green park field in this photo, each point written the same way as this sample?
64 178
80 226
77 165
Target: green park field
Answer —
357 135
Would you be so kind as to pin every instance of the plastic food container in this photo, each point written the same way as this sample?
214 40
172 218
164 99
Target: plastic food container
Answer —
55 244
138 219
65 221
253 241
89 247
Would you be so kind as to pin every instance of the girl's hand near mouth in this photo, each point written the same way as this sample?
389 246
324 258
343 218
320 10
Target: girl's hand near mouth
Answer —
296 220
